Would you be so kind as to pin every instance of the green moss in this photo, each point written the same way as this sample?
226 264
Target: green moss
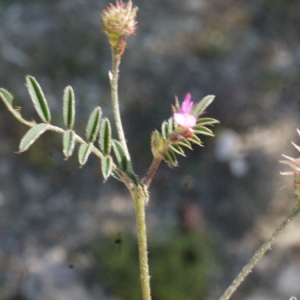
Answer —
180 268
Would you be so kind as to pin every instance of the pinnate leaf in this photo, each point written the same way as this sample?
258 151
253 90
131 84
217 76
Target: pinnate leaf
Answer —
170 159
200 107
203 130
38 99
194 139
120 155
106 166
114 175
132 176
6 96
68 143
185 143
105 137
31 136
171 125
177 149
93 125
165 130
84 153
206 121
69 107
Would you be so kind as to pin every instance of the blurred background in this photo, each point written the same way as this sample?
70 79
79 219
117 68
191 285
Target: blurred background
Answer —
66 235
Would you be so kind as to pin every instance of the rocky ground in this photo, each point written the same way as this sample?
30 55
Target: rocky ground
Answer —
247 53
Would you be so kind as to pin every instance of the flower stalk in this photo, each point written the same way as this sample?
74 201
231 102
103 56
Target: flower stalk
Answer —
259 253
294 164
114 78
118 22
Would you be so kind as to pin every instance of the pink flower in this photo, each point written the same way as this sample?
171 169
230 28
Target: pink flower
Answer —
293 163
183 117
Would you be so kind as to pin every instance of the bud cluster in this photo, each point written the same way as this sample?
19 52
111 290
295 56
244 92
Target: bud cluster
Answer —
118 21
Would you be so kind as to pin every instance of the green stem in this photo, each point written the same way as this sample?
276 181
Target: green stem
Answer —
259 253
139 198
139 201
115 99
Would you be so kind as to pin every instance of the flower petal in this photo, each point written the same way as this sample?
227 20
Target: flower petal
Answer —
185 120
187 104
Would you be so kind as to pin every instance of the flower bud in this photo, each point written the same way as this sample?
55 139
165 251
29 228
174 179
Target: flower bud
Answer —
118 22
157 144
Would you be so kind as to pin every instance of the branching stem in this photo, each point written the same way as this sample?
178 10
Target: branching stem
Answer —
151 172
154 166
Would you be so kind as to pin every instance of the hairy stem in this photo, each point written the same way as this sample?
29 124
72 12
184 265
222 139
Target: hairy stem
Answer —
139 198
259 253
151 172
139 201
115 99
154 165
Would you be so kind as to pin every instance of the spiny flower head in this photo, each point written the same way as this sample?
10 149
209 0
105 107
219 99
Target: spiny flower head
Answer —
118 21
293 163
